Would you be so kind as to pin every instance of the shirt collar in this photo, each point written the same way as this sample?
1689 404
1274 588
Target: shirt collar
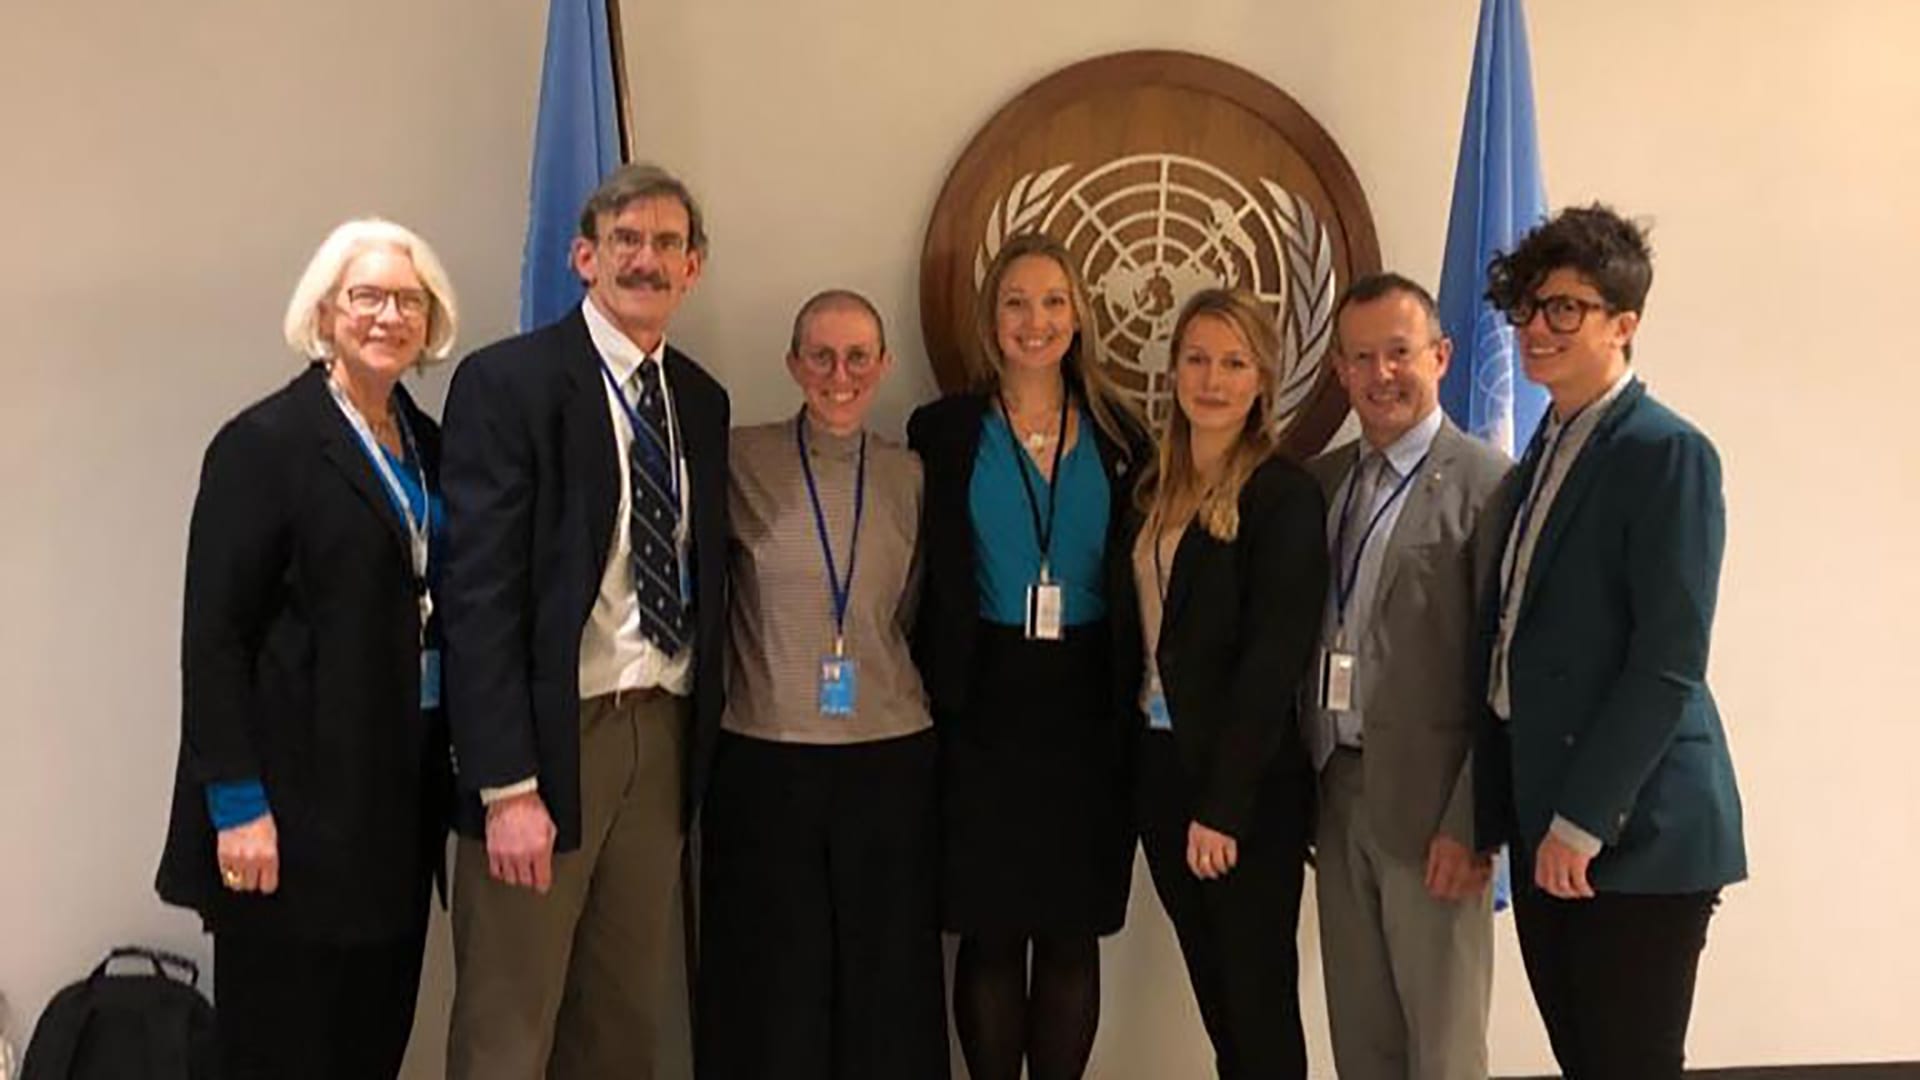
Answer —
1591 414
1405 452
621 354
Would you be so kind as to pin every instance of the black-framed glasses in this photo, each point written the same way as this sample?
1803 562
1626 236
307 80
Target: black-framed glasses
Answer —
1564 313
368 301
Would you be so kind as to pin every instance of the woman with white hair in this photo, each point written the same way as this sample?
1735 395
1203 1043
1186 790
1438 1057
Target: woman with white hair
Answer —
313 784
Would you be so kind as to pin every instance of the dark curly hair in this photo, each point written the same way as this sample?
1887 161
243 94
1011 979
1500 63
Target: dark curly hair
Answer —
1608 250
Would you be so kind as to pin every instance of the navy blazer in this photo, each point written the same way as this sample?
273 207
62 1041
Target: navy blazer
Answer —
532 486
1613 726
300 667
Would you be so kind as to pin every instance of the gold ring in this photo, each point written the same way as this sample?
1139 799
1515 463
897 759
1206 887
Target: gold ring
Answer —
231 877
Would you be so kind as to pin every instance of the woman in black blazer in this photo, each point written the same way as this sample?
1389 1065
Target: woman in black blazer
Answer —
313 785
1216 619
1026 481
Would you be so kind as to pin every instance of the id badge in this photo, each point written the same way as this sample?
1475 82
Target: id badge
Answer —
1336 680
430 678
839 685
1045 603
1158 719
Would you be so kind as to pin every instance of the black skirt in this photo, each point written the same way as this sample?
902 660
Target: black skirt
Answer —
1038 829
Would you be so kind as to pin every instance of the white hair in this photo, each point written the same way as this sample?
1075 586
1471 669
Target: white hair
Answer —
323 272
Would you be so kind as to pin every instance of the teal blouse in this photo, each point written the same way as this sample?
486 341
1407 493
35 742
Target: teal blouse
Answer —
1005 544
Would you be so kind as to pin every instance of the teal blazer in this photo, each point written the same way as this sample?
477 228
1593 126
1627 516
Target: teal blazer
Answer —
1613 726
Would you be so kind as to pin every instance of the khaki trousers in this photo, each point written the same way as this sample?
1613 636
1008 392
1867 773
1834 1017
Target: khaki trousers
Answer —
1409 978
575 984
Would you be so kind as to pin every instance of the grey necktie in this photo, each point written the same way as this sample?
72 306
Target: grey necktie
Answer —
1368 478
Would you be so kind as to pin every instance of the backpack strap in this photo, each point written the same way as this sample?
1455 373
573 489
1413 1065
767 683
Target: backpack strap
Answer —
159 959
168 1053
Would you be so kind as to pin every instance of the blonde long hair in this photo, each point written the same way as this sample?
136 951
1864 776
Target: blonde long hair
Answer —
1170 490
1084 367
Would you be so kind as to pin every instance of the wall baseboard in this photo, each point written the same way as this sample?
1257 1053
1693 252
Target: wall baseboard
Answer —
1890 1070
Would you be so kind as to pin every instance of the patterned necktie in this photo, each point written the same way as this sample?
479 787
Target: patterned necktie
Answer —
654 520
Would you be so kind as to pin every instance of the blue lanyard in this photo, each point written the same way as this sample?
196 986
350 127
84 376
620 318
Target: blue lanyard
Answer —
1525 517
1350 576
1042 532
419 528
842 592
1159 571
661 455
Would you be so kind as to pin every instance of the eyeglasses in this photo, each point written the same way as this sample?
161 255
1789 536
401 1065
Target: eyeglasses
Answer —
1564 313
368 301
624 243
822 360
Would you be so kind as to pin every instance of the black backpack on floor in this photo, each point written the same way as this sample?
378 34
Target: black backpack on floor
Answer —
148 1026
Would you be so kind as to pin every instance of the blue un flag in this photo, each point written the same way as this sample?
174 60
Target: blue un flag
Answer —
1497 196
576 143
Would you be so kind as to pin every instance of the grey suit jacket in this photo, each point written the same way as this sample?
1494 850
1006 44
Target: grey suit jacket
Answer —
1415 662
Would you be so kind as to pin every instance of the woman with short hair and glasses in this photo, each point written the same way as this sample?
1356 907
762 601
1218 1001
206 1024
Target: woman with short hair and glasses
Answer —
820 954
313 783
1601 760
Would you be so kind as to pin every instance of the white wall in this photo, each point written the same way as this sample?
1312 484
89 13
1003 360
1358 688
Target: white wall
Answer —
167 173
168 170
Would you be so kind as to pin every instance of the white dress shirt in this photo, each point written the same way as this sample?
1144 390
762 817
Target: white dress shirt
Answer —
613 654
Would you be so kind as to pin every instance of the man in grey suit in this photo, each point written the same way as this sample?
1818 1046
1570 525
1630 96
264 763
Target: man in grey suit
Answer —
1405 911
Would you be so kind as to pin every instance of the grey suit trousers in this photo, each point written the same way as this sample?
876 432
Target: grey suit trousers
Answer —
1409 978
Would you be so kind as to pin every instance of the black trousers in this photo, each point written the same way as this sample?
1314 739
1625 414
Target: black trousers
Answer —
289 1009
1238 933
820 939
1613 978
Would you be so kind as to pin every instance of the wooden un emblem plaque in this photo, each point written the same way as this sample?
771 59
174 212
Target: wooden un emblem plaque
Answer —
1163 173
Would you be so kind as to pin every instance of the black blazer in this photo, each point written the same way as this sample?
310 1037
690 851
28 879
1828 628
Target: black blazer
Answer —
300 666
1241 623
532 486
946 435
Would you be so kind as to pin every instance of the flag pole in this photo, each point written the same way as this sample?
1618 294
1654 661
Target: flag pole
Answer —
623 102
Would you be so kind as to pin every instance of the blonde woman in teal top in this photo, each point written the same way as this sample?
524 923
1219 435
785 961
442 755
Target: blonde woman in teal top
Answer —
1022 475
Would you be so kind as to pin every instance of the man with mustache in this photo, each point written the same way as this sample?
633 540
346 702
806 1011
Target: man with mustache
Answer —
585 472
1406 921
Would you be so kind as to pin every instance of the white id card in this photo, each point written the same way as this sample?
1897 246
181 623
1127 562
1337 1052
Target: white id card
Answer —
1045 603
1336 680
839 685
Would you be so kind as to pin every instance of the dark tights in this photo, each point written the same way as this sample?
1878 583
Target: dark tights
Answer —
1004 1014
